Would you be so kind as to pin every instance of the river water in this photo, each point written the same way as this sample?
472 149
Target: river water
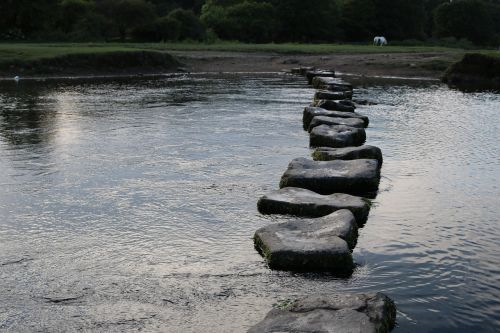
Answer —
130 205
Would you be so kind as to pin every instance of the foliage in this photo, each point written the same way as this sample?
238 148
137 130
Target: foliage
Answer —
254 21
470 19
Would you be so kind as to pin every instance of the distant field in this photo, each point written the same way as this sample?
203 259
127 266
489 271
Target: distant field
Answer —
26 51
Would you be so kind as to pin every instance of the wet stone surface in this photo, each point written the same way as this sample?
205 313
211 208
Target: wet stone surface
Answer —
357 177
328 104
339 313
336 136
330 83
325 94
303 202
325 120
306 245
348 153
310 75
311 112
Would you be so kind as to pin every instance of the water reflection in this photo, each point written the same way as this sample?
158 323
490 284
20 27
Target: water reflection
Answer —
143 215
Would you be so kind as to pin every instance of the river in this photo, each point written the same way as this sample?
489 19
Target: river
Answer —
130 204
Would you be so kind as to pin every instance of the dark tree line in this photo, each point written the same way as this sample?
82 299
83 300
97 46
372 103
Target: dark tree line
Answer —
477 21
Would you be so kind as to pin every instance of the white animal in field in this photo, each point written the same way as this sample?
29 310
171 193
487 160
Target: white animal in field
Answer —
379 41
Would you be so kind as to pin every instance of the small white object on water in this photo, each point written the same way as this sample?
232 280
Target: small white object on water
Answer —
16 78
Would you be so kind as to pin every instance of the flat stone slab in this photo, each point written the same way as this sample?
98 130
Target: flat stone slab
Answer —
336 136
324 120
330 105
338 313
348 153
331 95
306 245
330 83
356 177
301 202
311 112
310 75
301 70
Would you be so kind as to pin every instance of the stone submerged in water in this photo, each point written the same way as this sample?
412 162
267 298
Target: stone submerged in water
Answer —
356 177
336 136
348 153
330 83
310 112
339 313
334 106
310 245
330 95
310 75
301 202
324 120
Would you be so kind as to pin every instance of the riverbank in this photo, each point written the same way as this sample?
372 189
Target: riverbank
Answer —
25 59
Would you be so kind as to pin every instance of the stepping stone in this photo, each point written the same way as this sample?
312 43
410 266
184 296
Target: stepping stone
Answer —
301 70
324 120
338 313
310 245
356 177
305 69
348 153
333 105
310 75
330 95
330 83
311 112
336 136
301 202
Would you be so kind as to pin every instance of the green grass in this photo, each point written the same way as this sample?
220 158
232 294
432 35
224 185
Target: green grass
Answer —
31 51
20 52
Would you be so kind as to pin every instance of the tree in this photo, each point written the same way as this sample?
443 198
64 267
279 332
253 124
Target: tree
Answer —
126 15
27 18
307 21
400 19
470 19
248 21
358 20
71 12
190 26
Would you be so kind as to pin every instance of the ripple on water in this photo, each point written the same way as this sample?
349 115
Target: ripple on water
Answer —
130 205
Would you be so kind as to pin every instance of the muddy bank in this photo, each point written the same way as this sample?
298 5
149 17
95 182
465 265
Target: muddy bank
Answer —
430 65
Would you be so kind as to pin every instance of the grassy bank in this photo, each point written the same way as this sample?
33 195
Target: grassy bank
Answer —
32 54
53 59
33 51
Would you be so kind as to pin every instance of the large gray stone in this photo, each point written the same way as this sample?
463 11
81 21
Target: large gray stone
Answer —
339 313
321 244
356 177
324 120
310 75
311 112
330 105
330 83
331 95
348 153
336 136
301 202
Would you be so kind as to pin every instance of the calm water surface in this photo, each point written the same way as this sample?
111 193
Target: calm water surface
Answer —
130 205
